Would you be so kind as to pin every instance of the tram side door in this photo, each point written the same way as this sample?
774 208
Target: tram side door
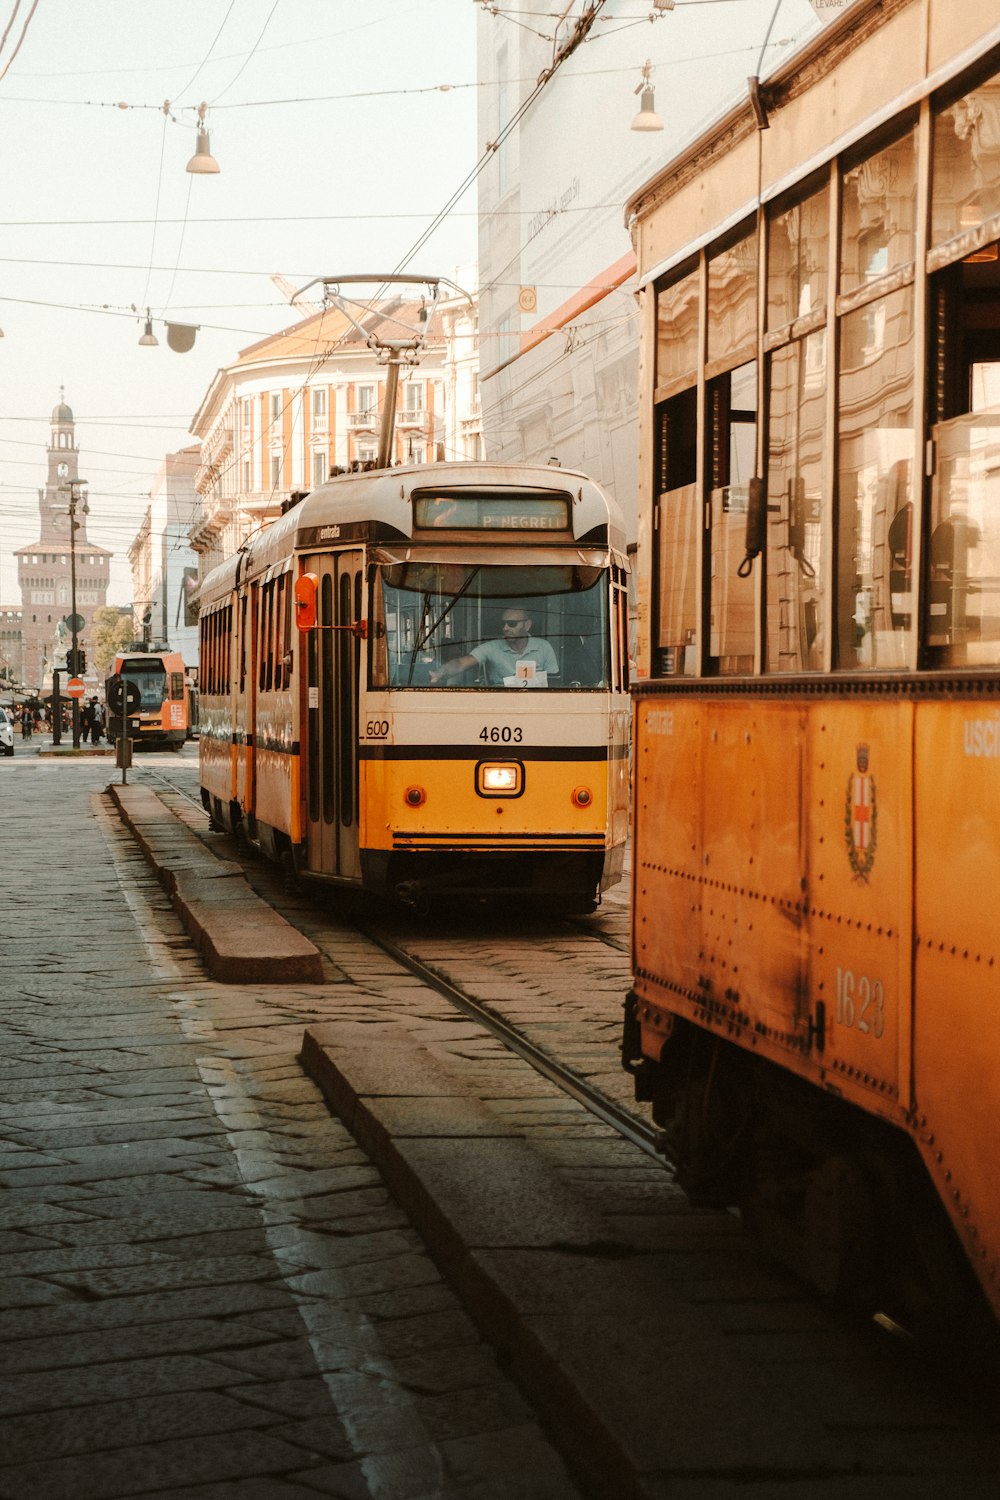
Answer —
333 667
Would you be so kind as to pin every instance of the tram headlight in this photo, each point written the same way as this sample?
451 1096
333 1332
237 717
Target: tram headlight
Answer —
500 778
414 796
582 796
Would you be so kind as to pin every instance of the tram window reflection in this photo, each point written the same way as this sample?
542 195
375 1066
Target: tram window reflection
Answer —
962 603
874 613
427 615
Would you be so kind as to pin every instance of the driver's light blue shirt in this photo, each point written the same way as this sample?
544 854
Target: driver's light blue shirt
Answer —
500 660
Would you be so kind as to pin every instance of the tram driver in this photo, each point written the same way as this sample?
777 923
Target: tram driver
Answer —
517 659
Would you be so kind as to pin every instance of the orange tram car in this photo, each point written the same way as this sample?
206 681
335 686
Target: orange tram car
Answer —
364 716
163 719
816 861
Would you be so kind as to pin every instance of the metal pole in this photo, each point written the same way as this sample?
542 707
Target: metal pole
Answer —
73 496
388 415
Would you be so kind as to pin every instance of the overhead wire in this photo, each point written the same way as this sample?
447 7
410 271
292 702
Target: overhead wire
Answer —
20 40
249 56
182 91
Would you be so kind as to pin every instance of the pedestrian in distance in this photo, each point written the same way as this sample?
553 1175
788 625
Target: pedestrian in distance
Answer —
96 721
27 722
86 721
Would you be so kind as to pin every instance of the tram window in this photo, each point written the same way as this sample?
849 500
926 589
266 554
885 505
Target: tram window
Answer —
878 215
732 402
962 599
966 178
265 649
732 299
797 253
427 614
677 331
679 532
796 483
150 678
283 668
874 587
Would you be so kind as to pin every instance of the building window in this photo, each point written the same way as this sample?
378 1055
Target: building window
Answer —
366 399
275 470
319 415
414 398
276 408
320 469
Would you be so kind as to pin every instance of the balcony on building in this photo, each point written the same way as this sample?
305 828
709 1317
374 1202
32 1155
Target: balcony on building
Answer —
363 421
413 417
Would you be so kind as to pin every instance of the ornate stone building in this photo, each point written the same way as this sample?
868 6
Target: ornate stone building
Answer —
44 569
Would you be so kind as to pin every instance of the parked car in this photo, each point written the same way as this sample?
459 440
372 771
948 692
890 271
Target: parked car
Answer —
6 732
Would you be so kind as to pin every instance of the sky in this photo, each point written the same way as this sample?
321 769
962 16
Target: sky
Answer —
337 145
342 128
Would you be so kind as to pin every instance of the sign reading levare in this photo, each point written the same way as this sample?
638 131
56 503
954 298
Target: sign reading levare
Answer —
828 10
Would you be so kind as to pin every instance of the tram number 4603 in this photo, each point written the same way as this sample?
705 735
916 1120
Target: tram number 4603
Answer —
860 1002
500 735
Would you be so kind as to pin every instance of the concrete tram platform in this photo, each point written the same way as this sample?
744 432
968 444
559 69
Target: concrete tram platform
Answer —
665 1356
240 937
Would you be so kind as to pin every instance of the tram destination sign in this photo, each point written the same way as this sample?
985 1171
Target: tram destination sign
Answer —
492 512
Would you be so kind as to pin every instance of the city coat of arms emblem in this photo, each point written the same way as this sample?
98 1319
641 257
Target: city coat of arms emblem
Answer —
861 817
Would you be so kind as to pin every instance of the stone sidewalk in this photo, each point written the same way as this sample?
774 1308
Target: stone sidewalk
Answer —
207 1290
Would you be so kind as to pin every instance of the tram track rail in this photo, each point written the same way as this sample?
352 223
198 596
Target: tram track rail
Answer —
646 1137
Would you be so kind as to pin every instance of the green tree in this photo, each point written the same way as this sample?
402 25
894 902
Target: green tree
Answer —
110 633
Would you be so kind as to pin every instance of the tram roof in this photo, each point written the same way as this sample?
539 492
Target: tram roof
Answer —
384 497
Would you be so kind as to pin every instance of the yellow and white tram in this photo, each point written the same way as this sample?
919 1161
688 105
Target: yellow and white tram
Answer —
354 721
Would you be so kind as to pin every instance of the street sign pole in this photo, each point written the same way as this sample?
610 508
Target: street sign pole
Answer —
123 698
56 709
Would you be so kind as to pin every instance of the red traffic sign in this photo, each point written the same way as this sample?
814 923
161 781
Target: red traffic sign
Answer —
76 687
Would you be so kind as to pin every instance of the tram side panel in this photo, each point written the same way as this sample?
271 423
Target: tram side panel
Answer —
720 927
957 958
860 890
764 913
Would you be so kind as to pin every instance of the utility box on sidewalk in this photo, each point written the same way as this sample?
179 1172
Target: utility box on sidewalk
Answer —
123 753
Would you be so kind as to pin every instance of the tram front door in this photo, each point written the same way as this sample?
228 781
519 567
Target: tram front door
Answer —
333 664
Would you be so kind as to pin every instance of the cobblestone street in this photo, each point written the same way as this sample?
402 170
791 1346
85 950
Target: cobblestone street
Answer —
207 1290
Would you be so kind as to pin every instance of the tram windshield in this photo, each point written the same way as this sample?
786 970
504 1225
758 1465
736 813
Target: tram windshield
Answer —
150 678
480 625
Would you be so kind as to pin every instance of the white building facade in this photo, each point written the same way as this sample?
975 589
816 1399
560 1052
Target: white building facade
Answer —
164 564
558 317
308 402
